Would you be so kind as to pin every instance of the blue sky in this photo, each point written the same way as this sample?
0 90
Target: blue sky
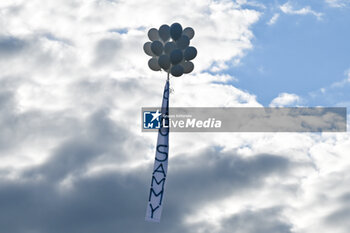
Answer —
298 54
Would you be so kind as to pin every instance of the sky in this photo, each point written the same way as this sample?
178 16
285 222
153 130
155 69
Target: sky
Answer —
74 78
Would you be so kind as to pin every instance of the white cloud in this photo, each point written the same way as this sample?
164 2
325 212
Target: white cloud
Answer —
335 86
343 82
274 19
251 3
337 3
75 63
285 99
288 8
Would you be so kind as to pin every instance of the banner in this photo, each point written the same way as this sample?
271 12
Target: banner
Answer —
156 193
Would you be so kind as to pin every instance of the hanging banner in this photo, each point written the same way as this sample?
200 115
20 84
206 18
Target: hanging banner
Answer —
156 193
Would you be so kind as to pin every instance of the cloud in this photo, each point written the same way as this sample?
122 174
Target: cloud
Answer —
115 200
285 99
72 87
251 3
343 82
106 50
337 3
254 221
339 217
288 8
333 89
10 46
274 19
101 20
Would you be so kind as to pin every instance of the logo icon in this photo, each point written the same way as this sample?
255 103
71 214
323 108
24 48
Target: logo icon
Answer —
151 119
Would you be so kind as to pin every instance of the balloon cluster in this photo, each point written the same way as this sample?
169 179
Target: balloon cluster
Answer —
170 50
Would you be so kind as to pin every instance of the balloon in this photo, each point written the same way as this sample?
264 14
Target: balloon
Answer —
157 47
175 31
177 71
153 64
188 32
176 56
170 50
183 42
164 32
164 61
188 67
190 53
147 49
153 34
169 47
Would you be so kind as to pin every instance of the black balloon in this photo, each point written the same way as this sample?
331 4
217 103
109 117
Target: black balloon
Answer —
169 47
164 61
147 49
183 42
164 32
170 50
188 32
153 64
157 47
190 53
176 31
176 56
177 71
188 67
153 34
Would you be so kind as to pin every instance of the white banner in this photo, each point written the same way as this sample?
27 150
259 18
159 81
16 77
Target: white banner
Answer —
156 193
